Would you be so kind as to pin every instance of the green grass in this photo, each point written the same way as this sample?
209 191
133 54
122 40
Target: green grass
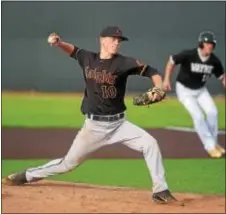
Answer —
59 111
205 176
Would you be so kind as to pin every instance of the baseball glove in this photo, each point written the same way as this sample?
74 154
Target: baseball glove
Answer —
153 95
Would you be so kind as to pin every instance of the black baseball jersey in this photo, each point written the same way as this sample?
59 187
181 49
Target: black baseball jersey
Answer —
193 71
106 79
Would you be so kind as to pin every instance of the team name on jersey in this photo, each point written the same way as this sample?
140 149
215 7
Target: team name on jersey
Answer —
200 68
100 76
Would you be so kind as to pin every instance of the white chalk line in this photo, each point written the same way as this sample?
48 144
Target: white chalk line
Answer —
186 129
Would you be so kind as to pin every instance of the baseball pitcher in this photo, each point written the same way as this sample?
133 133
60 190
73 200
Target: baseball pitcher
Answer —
105 75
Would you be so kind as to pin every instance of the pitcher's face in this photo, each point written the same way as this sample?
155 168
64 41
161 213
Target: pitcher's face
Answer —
110 44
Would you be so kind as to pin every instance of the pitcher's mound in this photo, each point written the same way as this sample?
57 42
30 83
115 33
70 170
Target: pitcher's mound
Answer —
63 197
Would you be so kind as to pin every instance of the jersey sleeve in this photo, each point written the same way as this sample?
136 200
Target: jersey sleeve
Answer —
80 55
136 67
218 70
179 58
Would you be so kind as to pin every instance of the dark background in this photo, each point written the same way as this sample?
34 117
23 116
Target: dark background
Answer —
155 29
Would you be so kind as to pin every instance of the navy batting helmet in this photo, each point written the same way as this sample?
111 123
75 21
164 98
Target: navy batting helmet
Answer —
207 37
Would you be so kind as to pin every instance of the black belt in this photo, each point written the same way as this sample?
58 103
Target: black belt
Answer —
108 118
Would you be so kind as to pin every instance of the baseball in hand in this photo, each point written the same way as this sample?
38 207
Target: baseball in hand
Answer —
53 39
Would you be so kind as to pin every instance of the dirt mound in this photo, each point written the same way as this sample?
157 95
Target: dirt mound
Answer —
63 197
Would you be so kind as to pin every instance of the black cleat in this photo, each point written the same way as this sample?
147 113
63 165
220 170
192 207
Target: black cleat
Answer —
164 197
15 179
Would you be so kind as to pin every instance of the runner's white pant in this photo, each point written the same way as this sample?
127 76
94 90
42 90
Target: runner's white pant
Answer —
197 101
96 134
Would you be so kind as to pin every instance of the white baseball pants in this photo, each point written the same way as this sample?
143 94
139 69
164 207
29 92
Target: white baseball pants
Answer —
203 111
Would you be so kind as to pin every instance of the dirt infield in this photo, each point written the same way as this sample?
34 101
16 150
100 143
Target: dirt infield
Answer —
54 143
62 197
